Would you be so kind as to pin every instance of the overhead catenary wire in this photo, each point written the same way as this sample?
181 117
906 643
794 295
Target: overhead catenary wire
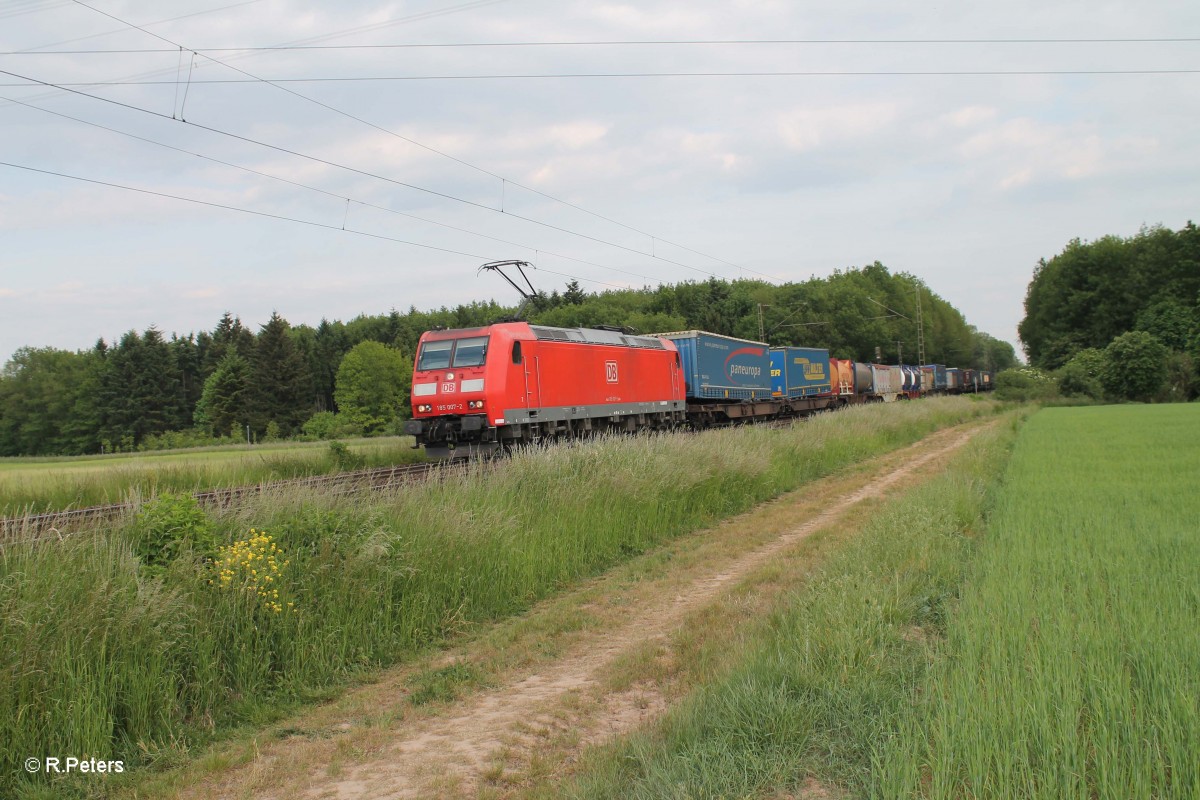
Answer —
582 75
365 173
611 43
40 48
281 218
894 311
426 147
21 10
388 23
325 192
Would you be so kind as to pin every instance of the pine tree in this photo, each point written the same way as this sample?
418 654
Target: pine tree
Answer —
119 409
83 428
225 401
331 345
187 358
229 334
573 295
278 380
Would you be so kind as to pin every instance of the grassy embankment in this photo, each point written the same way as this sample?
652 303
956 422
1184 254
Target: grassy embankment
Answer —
100 656
41 484
1068 669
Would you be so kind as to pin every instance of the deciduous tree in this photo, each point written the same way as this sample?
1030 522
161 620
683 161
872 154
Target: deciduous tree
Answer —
1135 366
373 383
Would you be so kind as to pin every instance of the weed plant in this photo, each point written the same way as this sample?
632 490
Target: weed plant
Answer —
101 656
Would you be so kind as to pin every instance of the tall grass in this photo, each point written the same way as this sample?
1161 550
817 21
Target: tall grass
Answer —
35 485
833 669
1075 655
100 656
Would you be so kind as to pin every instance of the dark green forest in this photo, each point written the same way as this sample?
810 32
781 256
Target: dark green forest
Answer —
1119 318
149 391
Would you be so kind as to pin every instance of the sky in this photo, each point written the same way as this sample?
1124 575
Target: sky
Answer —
621 144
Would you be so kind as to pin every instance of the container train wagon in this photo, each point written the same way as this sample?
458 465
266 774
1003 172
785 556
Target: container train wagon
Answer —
478 390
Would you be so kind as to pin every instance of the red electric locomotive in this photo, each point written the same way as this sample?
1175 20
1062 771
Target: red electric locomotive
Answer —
476 390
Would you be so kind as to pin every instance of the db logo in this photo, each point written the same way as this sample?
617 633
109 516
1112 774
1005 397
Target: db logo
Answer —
610 371
448 388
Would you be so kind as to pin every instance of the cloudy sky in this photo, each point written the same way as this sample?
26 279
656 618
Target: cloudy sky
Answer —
633 159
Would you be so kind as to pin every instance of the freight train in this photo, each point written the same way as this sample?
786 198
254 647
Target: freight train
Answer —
477 391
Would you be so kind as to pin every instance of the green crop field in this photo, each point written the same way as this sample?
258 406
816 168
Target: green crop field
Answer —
40 484
1027 626
1075 654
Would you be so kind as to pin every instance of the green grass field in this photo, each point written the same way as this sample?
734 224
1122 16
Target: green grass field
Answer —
1057 655
40 484
100 654
1074 666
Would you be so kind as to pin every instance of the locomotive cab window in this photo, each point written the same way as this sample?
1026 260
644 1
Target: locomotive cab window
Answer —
516 354
435 355
470 352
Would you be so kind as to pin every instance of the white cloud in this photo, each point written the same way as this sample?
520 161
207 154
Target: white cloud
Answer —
575 135
1026 150
805 129
662 18
1017 179
969 116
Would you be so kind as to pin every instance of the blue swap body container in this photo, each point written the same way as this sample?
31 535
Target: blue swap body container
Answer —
719 367
939 376
800 372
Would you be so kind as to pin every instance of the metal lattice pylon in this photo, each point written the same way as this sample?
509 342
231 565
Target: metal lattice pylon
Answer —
920 330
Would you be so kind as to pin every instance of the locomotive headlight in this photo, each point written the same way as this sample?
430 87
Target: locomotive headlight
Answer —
475 404
424 408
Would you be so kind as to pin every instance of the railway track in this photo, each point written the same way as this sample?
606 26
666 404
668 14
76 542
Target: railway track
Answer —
54 525
57 525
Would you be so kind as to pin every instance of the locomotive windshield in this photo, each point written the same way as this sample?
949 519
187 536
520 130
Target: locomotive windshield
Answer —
470 352
435 355
453 352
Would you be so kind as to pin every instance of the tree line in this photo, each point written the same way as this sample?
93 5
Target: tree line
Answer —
345 378
1118 318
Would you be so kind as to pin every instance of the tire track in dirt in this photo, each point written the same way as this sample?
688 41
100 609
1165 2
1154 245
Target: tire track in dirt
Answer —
451 755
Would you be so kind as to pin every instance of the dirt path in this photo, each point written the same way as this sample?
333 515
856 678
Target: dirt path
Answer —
458 752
